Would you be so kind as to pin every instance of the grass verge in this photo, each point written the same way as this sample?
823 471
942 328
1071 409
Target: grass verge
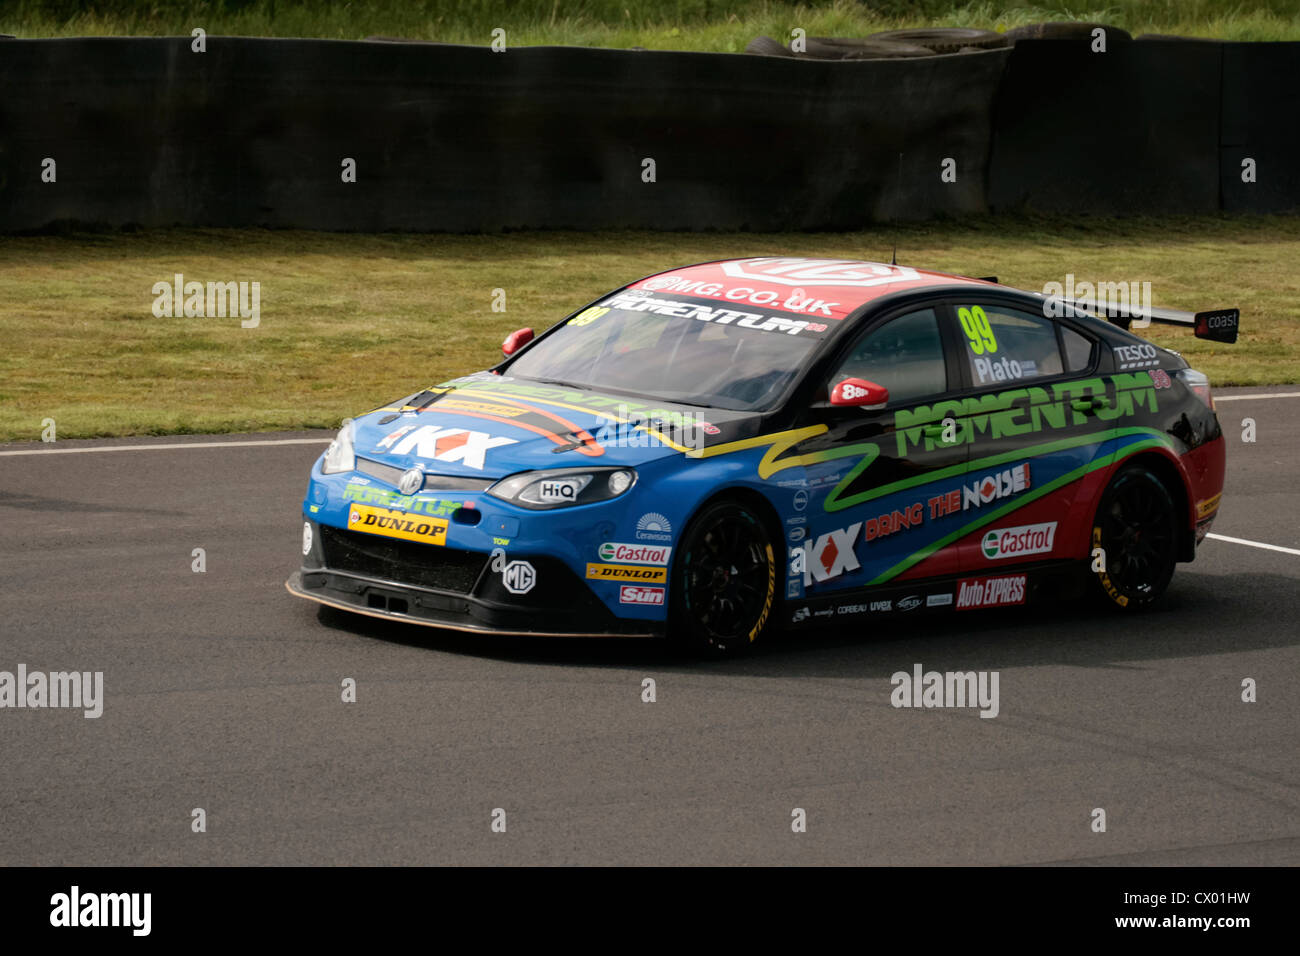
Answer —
713 25
350 321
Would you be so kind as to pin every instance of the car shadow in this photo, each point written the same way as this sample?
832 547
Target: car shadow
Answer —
1201 614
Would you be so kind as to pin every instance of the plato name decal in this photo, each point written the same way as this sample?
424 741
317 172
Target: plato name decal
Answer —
397 524
1019 541
438 443
1004 369
990 592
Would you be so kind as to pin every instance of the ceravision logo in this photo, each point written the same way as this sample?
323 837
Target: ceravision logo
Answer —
71 689
947 689
216 300
75 908
652 526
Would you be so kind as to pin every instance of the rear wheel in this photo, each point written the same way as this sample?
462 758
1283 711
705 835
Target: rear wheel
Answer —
724 580
1136 528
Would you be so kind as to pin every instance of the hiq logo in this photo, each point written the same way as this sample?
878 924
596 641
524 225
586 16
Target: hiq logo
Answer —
558 490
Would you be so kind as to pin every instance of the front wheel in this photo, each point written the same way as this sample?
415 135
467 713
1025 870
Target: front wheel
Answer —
724 580
1136 528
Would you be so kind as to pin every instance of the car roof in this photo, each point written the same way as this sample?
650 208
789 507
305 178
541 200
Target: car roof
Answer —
829 288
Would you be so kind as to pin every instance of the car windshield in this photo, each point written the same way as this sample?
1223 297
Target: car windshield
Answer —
676 349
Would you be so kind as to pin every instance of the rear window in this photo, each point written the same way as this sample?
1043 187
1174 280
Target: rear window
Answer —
1004 345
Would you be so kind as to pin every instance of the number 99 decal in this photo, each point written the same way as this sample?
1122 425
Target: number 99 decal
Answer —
588 316
976 326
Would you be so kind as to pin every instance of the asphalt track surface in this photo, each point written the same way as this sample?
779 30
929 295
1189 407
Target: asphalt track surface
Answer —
223 692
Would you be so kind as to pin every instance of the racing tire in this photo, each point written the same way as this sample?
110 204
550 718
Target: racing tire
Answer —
1067 30
839 48
1136 526
722 592
766 46
945 39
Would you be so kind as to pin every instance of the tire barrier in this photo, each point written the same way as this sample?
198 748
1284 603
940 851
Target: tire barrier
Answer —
121 132
1260 141
254 132
1131 131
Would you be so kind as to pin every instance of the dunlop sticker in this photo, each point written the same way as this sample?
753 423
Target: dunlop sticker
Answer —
398 524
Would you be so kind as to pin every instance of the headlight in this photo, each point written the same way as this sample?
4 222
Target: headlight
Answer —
340 455
562 487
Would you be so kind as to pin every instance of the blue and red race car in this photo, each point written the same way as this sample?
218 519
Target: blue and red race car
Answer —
733 446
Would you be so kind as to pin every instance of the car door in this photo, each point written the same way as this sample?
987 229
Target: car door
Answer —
1032 412
872 498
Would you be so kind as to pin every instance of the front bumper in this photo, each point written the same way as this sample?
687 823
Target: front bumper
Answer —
450 588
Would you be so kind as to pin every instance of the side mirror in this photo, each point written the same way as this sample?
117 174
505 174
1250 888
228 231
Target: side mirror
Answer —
860 393
515 341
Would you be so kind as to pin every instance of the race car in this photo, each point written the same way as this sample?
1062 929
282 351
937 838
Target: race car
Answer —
714 452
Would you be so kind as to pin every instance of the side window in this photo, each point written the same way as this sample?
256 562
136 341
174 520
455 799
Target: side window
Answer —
1078 350
905 355
1003 345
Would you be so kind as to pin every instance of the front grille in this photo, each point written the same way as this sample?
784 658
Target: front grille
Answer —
383 472
402 562
389 474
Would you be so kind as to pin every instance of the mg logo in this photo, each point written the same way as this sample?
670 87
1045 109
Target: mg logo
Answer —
411 481
517 576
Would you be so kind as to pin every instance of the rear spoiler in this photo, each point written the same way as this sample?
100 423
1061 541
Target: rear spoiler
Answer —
1217 325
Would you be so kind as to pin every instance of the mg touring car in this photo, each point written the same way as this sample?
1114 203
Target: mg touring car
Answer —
732 446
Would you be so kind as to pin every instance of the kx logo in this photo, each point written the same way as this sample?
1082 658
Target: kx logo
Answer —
450 444
833 555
